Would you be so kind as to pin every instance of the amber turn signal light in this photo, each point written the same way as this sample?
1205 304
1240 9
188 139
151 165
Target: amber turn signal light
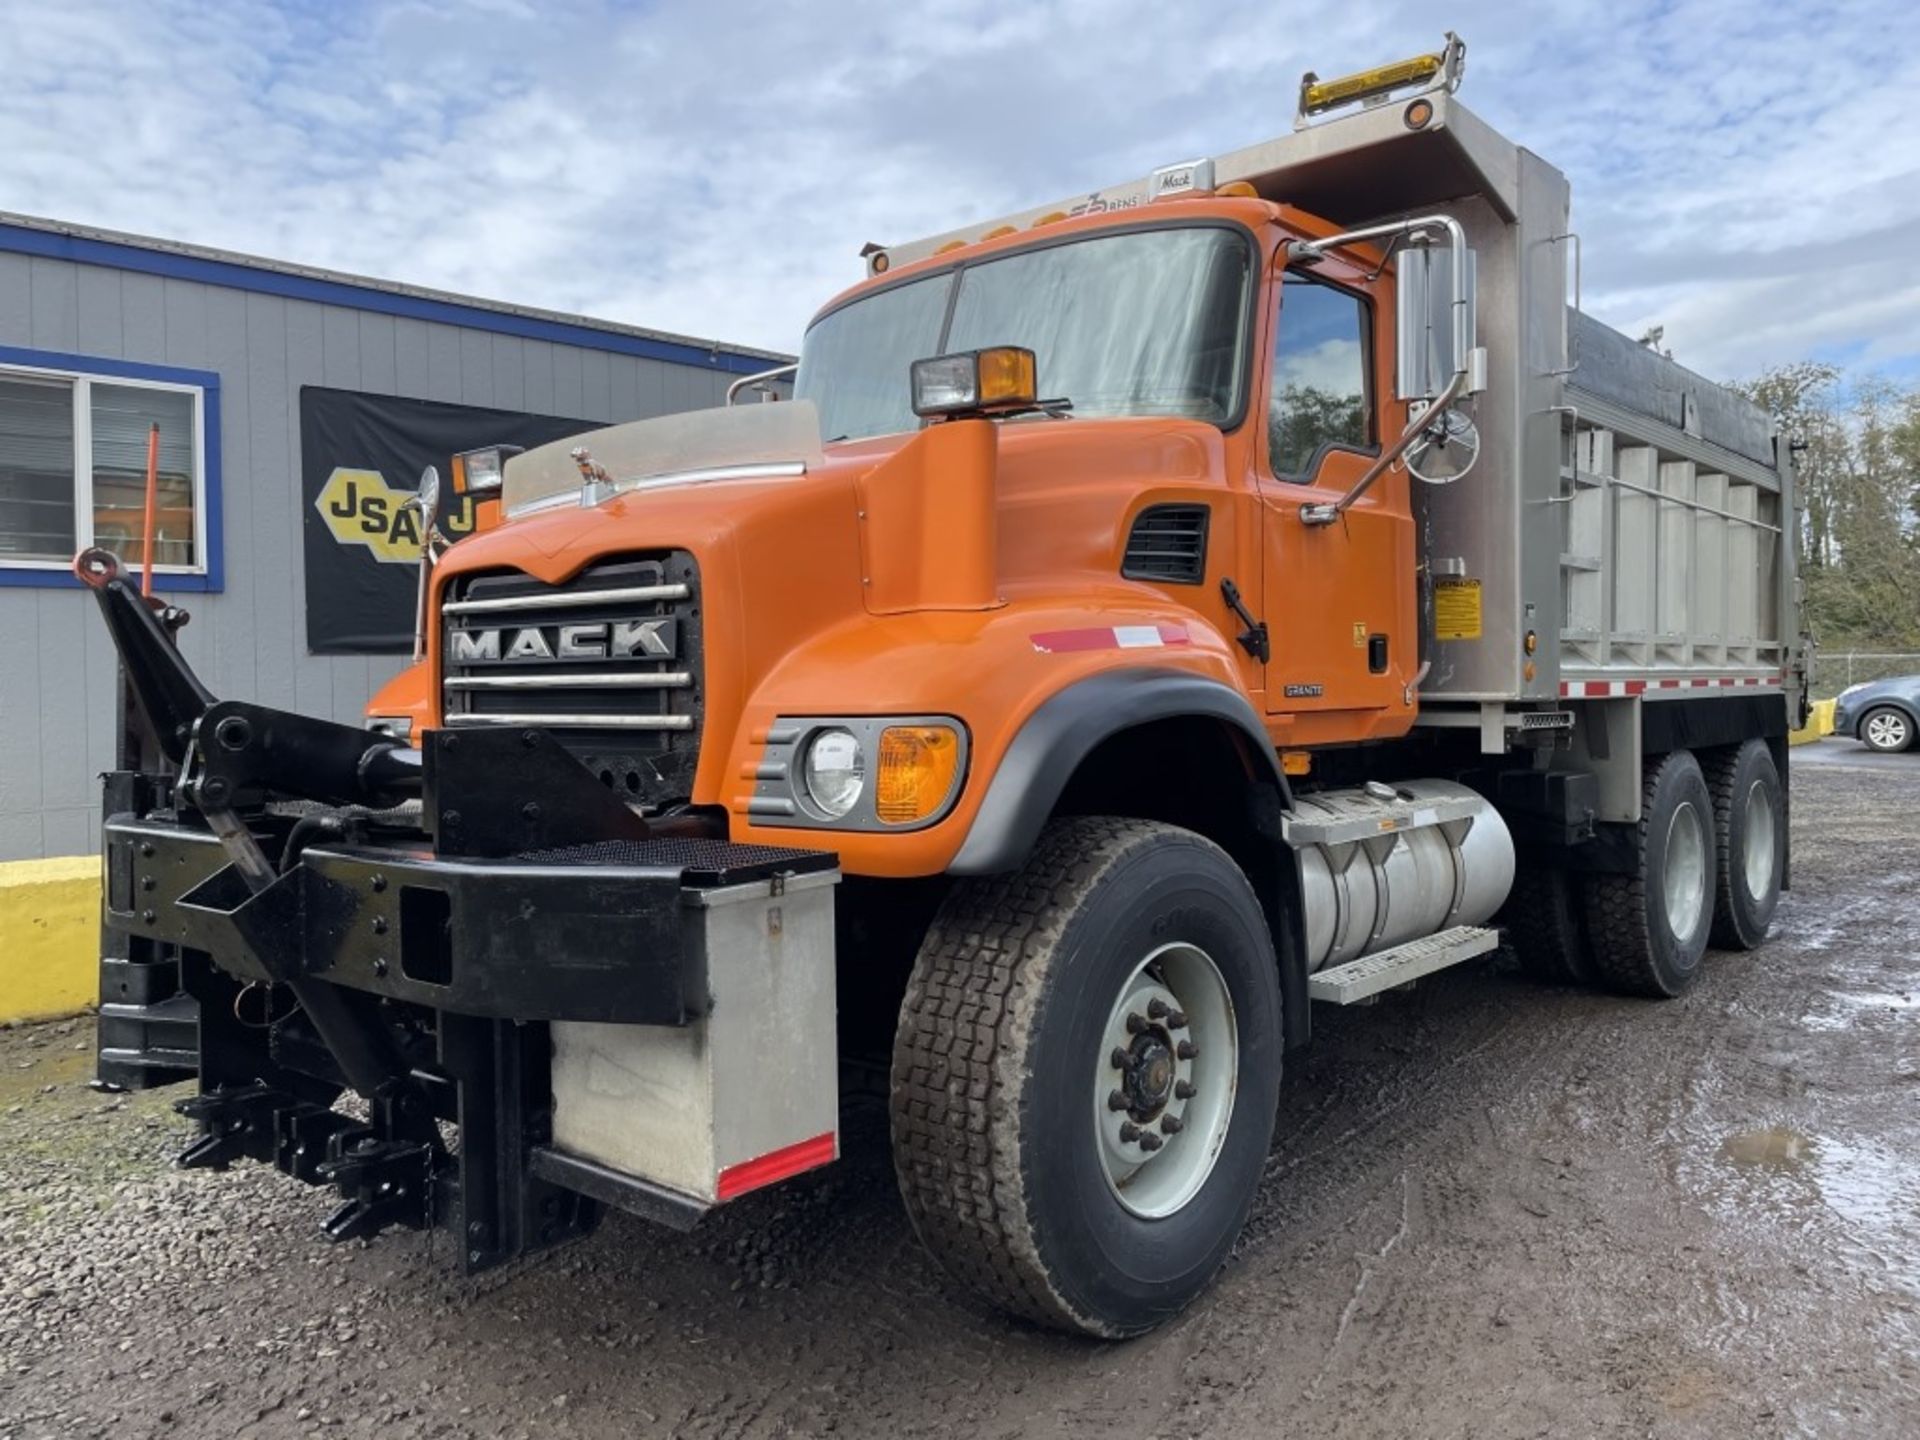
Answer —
917 769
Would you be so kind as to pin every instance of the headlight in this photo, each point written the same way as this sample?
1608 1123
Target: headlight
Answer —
479 472
858 772
835 770
1852 690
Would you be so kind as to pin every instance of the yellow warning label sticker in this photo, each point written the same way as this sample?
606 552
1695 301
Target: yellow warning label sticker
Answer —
1456 608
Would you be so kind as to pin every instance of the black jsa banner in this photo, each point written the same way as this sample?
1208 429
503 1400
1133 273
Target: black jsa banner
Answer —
360 458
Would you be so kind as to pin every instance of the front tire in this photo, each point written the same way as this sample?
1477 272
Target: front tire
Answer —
1887 730
1750 840
1018 1032
1648 928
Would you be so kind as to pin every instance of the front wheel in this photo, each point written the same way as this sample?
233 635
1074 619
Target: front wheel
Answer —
1085 1075
1887 730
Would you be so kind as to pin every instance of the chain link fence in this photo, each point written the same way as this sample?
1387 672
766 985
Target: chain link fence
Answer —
1835 670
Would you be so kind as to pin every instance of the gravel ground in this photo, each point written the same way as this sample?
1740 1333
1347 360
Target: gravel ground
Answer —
1493 1209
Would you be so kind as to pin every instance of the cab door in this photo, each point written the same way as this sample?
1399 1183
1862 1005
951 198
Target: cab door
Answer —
1340 598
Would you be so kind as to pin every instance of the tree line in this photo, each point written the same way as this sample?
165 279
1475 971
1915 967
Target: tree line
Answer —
1857 458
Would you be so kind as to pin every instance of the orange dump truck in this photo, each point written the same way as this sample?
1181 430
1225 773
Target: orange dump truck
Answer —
1155 615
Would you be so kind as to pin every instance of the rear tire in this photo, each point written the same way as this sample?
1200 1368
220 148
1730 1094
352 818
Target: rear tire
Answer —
1750 834
1004 1064
1546 927
1886 729
1649 928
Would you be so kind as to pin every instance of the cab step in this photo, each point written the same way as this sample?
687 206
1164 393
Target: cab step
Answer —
1366 977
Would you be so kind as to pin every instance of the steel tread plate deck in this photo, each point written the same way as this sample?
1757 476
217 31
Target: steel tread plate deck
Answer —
1370 974
702 863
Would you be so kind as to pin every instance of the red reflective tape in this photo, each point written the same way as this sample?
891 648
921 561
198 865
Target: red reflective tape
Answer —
1056 642
776 1165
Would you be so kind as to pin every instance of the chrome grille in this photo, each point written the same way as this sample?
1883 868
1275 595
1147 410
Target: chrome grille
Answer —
610 662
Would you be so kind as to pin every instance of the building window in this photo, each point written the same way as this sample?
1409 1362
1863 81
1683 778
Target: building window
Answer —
73 469
1320 394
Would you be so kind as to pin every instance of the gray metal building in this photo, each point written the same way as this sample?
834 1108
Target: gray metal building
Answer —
100 330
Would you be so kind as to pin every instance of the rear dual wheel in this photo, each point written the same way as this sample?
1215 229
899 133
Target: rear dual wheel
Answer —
1750 843
1085 1075
1709 859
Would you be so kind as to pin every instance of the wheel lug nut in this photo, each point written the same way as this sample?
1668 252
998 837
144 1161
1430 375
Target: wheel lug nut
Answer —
1150 1142
1183 1090
1176 1019
1119 1059
1116 1100
1136 1023
1171 1125
1157 1008
1129 1132
1187 1050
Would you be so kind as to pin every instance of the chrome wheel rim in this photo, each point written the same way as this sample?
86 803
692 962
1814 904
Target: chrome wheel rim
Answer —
1686 871
1164 1080
1887 731
1758 859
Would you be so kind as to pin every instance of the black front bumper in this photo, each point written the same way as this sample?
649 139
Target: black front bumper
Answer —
587 932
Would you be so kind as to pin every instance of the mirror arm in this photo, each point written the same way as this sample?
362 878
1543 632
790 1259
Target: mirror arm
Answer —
1327 514
420 601
1311 250
1397 231
759 380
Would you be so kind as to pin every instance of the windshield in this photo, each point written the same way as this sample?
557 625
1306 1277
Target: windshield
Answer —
1147 323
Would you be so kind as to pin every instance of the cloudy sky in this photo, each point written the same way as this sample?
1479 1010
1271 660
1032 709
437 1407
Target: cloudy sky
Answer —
1747 175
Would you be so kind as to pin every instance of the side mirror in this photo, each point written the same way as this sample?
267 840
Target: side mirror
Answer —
1438 331
427 497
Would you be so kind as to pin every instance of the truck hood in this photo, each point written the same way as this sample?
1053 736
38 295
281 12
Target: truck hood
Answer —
668 450
766 477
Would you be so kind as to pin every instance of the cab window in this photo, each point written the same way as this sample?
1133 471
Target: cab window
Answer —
1320 395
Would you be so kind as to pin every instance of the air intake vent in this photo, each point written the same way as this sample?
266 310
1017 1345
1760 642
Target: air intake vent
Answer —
1168 545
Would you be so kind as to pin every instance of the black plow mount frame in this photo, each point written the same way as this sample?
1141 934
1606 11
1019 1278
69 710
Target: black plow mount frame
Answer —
347 912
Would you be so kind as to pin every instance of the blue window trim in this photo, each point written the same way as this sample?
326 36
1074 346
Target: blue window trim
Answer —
103 368
235 276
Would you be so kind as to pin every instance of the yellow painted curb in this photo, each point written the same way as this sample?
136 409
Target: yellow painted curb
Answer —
1819 724
49 936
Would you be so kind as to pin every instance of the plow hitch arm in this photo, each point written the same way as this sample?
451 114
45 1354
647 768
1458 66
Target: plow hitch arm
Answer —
230 752
227 749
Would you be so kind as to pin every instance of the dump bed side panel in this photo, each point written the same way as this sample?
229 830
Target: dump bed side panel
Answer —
1678 531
